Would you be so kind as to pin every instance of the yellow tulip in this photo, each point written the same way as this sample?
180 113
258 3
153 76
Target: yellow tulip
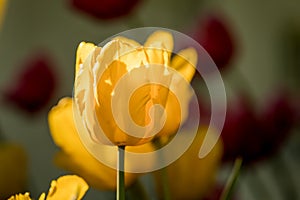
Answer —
74 156
100 98
25 196
2 10
190 177
13 169
65 187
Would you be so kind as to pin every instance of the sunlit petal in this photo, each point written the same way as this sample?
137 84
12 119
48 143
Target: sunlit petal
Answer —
185 63
67 187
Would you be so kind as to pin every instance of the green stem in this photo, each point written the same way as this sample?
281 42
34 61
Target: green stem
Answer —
165 184
227 192
164 174
120 174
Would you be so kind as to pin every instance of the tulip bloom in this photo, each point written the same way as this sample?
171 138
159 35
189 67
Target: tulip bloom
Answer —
256 136
216 38
118 86
190 177
74 157
65 187
105 9
35 86
2 10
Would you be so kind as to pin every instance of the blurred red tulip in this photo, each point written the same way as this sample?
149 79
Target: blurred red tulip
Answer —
240 128
215 37
255 137
296 107
105 9
216 193
35 85
277 120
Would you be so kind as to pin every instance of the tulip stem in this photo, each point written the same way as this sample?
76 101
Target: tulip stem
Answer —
120 174
227 192
166 189
163 174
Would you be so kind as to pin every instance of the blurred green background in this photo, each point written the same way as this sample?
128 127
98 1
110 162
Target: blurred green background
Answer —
266 34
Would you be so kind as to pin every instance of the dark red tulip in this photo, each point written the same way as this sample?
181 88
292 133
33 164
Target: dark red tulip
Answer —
296 107
105 9
277 120
34 87
239 129
214 35
256 136
216 194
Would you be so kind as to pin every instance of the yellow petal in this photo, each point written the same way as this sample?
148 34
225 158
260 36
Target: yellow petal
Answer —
42 197
67 187
83 87
123 50
158 47
117 58
173 119
61 125
83 51
127 40
161 40
110 67
129 52
185 63
74 157
190 177
25 196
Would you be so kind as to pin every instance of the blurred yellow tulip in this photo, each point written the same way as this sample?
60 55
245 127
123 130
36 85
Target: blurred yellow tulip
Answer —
2 10
13 169
74 156
190 177
152 75
65 187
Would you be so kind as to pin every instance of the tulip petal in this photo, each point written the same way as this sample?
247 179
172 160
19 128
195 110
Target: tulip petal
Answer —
158 47
173 120
25 196
42 197
160 39
83 50
74 156
185 63
67 187
127 40
116 59
83 89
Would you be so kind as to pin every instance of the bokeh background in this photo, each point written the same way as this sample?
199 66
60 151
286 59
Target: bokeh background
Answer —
38 41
